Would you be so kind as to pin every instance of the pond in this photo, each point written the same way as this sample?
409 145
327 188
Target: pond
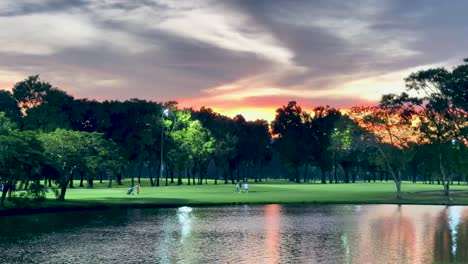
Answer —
241 234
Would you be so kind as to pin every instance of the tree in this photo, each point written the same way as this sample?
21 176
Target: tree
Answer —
20 155
291 142
390 131
30 92
9 105
341 141
67 150
440 106
201 146
321 127
179 154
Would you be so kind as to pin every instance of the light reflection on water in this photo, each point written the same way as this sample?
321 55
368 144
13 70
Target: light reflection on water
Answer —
241 234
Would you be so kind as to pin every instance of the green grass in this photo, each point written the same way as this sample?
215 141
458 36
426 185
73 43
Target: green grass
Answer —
261 193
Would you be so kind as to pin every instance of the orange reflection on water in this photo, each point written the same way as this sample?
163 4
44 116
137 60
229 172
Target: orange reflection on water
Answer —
399 235
272 228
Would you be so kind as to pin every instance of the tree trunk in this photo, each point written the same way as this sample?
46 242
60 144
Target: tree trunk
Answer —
26 184
445 180
110 181
396 176
232 176
334 175
71 181
63 187
132 174
150 176
159 175
21 186
6 188
334 168
296 175
324 179
4 193
346 175
119 178
167 175
398 186
179 178
193 175
305 171
140 168
81 179
188 175
90 182
172 176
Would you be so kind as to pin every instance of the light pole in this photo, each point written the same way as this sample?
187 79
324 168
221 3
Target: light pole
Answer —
334 150
165 112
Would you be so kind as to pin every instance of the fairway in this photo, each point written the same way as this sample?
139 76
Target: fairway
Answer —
263 193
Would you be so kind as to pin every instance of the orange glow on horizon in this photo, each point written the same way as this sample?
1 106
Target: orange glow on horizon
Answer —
254 113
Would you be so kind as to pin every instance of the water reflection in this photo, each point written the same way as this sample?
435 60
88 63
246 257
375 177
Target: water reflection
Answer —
185 221
272 230
454 217
241 234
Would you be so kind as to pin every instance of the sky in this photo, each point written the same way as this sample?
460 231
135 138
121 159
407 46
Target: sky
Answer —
237 56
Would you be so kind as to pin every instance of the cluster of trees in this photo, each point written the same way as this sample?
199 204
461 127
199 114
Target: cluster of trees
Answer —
421 132
48 136
63 138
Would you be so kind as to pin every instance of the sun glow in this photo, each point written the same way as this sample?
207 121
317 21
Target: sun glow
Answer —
250 113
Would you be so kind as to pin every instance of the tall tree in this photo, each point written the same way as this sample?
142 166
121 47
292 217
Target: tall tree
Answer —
390 128
320 129
9 105
67 150
20 155
439 104
291 134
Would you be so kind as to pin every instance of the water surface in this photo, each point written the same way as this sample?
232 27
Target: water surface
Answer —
241 234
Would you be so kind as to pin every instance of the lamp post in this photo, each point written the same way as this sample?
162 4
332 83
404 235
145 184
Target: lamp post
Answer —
165 112
334 150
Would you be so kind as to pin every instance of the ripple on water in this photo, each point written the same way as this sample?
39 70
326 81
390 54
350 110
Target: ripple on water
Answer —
240 234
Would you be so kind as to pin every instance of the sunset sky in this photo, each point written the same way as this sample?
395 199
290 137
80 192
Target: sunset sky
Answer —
246 57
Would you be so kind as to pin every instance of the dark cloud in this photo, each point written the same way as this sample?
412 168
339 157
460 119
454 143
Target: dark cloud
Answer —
17 8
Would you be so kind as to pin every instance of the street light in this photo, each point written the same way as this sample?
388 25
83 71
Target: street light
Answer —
165 112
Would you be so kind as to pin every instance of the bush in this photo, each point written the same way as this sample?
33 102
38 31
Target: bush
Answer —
37 192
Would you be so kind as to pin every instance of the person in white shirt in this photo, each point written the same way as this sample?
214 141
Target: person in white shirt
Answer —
246 187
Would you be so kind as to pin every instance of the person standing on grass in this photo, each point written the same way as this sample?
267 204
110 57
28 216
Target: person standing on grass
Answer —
138 188
246 187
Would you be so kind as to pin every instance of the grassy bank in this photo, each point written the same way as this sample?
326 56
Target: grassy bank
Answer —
262 193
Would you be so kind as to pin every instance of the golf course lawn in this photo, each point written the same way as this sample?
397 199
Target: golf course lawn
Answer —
261 193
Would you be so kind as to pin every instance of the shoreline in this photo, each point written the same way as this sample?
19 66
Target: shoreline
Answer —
103 206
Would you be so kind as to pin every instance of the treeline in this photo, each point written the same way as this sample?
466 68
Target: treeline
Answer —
48 138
